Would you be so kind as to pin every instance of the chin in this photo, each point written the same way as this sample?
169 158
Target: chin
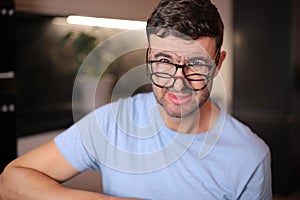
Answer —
181 112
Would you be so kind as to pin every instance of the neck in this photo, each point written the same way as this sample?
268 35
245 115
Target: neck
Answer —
200 121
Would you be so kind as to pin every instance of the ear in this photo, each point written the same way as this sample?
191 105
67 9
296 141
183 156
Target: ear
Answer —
147 48
147 52
221 59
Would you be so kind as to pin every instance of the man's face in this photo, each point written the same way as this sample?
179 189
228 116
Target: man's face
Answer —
183 98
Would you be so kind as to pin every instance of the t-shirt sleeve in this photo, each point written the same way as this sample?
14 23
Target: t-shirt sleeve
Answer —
72 148
259 185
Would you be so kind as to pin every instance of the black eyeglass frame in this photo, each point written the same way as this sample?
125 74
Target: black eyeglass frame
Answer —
206 77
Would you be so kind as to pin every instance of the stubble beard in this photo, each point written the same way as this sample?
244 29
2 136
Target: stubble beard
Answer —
182 110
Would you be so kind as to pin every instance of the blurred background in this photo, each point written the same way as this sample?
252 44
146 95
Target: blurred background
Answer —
41 55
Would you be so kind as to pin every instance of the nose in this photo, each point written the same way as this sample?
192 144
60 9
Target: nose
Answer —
179 82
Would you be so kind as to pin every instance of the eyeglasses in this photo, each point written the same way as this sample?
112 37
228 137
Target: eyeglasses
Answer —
197 72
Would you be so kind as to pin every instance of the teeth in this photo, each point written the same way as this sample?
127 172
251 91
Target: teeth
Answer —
181 97
178 96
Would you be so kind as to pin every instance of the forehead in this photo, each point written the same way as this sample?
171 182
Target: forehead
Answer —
203 45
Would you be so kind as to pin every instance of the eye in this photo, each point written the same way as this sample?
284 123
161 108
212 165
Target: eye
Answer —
164 60
196 63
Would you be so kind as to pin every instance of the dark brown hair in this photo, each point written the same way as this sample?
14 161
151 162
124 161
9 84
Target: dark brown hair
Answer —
189 18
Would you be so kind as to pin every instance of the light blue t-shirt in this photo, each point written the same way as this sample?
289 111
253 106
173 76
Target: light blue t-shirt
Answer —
138 156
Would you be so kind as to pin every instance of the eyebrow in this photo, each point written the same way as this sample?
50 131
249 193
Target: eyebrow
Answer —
171 56
163 54
206 59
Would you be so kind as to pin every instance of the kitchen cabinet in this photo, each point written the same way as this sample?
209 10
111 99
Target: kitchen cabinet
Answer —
7 85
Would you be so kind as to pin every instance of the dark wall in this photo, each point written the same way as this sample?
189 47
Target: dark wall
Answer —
295 136
49 56
264 80
45 75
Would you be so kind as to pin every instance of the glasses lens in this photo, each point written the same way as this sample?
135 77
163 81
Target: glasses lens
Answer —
163 73
199 84
165 69
197 72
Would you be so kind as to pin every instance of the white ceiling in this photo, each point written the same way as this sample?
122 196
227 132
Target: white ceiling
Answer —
121 9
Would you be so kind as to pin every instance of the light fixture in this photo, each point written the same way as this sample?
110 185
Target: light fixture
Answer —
106 22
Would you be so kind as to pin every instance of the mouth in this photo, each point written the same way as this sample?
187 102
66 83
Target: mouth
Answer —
178 99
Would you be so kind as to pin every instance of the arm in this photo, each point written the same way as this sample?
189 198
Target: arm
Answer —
38 173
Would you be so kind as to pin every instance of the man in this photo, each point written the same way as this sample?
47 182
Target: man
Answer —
174 143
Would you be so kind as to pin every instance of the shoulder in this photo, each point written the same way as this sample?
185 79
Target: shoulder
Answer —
136 101
243 140
122 110
136 108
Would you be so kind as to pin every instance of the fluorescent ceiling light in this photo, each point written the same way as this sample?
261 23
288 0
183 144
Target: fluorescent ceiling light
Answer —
106 22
